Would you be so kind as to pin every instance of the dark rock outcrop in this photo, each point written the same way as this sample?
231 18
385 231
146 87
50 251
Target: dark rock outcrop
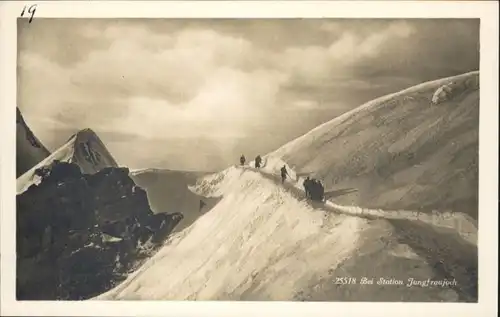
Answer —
29 149
78 235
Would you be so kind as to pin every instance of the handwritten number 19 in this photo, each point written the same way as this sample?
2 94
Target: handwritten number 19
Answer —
31 10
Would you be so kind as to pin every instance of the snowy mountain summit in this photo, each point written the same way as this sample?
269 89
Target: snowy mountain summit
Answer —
84 149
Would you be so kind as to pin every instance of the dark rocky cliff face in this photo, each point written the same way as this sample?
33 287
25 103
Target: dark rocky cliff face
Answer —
29 149
78 235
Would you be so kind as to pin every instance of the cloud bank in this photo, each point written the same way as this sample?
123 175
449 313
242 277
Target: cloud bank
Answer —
194 94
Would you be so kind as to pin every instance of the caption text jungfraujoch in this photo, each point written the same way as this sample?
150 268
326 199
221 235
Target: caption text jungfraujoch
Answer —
410 282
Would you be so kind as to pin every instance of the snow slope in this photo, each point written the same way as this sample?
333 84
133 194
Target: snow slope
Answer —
263 241
409 150
29 150
83 148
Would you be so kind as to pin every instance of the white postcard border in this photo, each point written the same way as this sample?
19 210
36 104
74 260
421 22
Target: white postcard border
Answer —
488 166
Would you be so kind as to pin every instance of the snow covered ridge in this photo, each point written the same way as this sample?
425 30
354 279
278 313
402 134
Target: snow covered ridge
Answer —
208 186
83 148
448 91
469 80
400 151
263 241
143 170
222 253
459 223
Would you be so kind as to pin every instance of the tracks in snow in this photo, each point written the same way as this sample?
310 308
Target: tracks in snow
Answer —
459 223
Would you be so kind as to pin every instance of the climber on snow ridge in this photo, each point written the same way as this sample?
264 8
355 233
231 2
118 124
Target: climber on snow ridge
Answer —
258 160
284 173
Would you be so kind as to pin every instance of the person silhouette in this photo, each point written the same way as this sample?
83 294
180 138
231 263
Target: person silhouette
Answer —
258 160
284 174
307 187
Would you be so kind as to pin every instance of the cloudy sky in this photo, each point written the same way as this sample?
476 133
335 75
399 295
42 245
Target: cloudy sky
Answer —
195 94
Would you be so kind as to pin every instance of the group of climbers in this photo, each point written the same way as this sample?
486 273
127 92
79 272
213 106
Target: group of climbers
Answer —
313 188
258 161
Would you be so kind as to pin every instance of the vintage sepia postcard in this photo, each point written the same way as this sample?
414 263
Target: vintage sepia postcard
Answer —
226 158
